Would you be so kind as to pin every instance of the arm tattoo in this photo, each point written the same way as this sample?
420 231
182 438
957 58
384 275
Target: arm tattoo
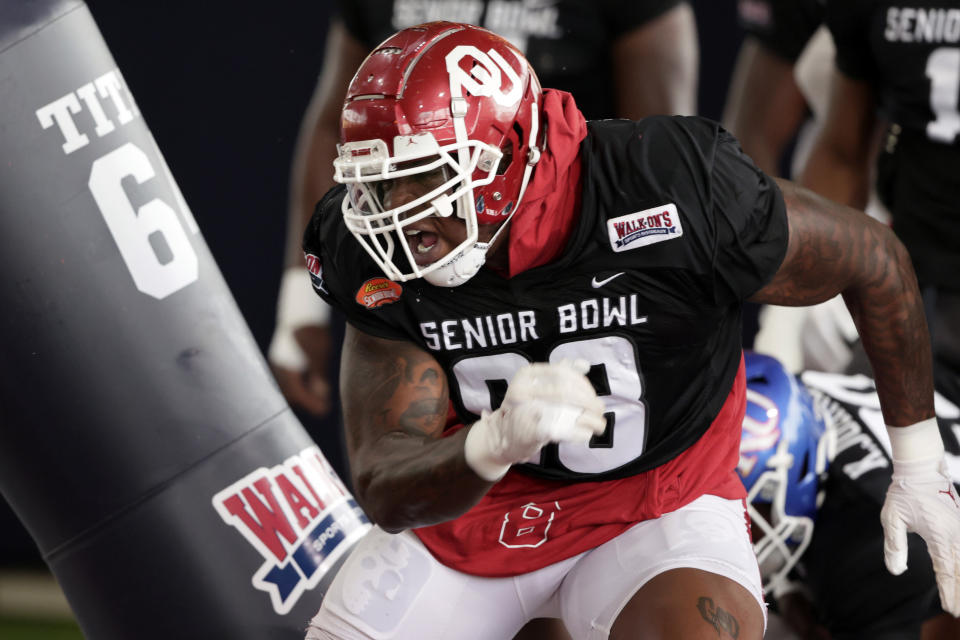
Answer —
722 621
834 249
396 400
405 391
421 400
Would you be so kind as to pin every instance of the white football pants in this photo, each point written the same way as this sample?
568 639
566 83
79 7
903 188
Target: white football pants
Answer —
391 587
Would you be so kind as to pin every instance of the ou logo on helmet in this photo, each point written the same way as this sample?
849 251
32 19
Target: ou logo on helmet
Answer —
484 79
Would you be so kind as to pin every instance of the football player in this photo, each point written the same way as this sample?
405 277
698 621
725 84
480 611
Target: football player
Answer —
782 76
899 63
574 289
766 106
815 459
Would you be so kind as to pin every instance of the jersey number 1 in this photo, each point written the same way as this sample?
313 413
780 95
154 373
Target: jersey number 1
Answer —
943 69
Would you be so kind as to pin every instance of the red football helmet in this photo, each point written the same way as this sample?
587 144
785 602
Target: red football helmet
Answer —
458 107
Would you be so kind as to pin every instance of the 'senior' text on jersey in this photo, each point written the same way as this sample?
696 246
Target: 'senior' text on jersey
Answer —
516 327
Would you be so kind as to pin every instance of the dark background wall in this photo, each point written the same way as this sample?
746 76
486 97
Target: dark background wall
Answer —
222 86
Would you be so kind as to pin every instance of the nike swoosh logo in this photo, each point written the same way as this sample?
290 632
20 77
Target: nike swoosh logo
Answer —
599 283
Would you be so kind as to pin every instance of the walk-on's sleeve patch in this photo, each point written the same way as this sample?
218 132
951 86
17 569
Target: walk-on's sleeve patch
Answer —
645 227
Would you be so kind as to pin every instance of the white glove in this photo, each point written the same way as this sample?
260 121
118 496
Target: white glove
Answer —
544 403
922 499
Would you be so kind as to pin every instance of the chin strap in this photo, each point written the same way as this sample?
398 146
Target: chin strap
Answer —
533 155
463 266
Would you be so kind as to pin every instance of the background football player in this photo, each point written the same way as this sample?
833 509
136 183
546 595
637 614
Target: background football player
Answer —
816 461
899 63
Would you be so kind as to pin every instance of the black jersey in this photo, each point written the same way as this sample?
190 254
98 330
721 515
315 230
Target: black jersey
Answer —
676 227
844 569
782 26
910 54
567 41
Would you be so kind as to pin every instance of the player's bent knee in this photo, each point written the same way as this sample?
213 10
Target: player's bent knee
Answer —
691 604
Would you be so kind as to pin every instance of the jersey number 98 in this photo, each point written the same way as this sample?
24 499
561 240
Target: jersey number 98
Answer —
615 375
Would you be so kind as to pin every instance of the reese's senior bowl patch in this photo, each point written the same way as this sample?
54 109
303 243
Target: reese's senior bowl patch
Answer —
645 227
377 292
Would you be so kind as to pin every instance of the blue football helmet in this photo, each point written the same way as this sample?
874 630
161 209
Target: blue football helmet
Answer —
785 448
